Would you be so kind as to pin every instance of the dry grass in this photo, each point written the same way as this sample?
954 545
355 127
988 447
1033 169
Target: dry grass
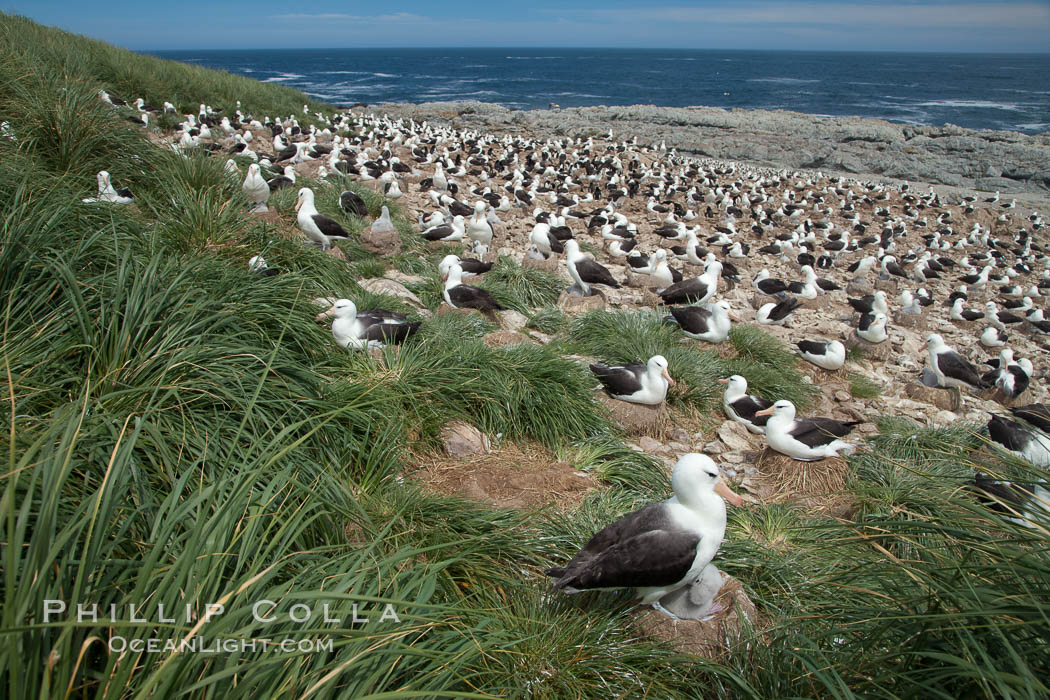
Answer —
820 485
513 476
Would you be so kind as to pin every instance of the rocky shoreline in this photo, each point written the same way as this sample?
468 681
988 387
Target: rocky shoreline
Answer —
1016 165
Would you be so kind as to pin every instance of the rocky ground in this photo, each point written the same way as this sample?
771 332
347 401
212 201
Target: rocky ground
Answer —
893 367
1010 162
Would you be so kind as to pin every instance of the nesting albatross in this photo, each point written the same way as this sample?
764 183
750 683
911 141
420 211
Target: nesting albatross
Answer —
636 383
660 548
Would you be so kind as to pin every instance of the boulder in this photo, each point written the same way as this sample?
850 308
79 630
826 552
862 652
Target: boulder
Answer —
735 436
574 305
505 339
463 440
636 418
512 320
873 351
944 399
381 285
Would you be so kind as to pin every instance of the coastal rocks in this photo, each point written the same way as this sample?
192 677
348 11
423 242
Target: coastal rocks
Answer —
946 155
461 440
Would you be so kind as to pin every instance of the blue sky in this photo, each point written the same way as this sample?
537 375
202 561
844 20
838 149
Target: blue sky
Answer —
898 25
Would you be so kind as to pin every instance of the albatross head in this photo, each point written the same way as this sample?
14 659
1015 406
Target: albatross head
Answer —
342 308
658 364
306 196
782 409
447 262
934 341
697 474
735 385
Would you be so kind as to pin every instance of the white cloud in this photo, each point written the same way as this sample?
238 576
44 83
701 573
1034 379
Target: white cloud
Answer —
395 17
972 15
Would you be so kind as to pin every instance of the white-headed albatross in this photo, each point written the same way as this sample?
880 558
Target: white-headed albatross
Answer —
695 290
1030 445
710 323
660 548
826 355
636 383
742 406
255 188
369 328
318 228
1024 504
585 271
107 193
805 439
952 369
465 296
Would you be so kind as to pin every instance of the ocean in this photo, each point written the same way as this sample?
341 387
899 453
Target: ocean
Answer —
1007 91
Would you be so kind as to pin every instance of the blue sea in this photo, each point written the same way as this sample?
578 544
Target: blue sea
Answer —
1009 91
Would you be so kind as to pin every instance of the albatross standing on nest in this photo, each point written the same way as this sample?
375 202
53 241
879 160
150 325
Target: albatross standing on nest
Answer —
660 548
952 369
318 228
710 322
585 271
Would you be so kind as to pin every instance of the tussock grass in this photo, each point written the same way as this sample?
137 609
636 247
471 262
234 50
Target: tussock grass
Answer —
548 320
626 336
861 387
521 288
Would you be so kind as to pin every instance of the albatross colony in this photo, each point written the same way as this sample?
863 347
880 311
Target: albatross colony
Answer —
723 243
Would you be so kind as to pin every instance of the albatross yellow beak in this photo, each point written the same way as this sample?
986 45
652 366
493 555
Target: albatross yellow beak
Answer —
670 382
298 203
725 492
722 381
765 412
325 314
734 317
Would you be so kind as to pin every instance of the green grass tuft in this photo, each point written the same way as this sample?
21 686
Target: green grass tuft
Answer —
862 387
521 288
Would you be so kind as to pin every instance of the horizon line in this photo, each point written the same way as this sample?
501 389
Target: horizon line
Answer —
598 48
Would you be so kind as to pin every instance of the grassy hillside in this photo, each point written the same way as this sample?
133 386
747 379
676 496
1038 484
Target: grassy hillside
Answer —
178 430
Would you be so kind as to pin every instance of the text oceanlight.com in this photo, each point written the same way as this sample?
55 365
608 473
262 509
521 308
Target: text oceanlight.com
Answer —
263 611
